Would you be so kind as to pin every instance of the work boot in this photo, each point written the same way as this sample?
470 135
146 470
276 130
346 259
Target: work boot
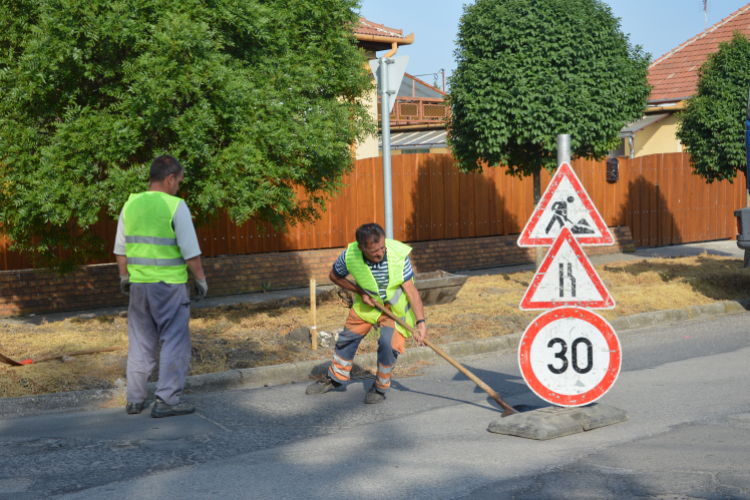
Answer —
162 409
322 386
134 408
373 396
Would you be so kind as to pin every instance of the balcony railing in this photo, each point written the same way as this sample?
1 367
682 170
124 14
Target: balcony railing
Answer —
418 111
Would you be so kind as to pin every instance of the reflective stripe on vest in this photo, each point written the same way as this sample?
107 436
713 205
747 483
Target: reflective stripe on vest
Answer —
150 241
396 254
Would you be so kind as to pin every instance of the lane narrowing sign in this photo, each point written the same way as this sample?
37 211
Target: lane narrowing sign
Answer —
565 204
566 278
570 356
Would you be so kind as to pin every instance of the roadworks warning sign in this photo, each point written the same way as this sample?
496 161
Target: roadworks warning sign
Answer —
566 278
565 205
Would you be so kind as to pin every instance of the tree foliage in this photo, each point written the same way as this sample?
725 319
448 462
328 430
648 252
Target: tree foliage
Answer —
712 126
254 97
531 69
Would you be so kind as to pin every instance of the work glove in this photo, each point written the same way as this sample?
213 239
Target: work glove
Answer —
201 288
125 284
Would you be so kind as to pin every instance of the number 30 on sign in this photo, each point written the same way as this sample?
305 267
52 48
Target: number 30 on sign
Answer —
570 356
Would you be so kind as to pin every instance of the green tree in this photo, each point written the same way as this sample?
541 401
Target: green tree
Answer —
712 126
254 97
531 69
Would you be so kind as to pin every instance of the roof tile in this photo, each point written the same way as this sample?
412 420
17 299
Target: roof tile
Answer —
369 28
675 74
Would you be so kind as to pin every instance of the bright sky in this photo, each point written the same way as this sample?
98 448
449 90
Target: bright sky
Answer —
657 25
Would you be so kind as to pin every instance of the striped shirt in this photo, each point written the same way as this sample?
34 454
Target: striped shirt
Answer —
379 271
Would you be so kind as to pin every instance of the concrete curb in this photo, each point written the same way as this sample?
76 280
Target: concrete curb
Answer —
303 371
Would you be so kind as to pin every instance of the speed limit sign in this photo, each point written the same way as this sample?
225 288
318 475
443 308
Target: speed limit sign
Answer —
570 356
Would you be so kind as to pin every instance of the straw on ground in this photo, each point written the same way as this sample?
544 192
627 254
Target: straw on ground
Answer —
243 336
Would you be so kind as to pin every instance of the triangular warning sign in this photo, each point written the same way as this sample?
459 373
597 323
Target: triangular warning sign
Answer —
566 278
565 204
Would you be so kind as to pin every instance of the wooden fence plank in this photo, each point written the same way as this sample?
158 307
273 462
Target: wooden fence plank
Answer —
657 196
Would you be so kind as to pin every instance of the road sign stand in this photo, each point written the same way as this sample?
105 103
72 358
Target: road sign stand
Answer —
569 356
568 344
556 421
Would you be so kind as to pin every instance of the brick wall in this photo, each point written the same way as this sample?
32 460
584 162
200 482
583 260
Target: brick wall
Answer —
91 287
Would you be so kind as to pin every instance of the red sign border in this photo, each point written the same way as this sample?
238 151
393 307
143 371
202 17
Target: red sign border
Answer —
565 170
607 301
551 396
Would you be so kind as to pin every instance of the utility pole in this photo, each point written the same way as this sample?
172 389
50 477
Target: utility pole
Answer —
389 73
385 94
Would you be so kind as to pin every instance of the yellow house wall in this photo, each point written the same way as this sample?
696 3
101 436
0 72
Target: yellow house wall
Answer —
659 137
369 147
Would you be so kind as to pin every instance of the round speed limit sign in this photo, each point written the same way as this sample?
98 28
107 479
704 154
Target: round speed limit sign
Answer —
570 356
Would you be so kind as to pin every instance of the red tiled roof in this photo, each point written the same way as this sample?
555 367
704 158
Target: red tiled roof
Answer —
369 28
675 74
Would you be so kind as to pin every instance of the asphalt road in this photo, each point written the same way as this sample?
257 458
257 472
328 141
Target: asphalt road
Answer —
685 387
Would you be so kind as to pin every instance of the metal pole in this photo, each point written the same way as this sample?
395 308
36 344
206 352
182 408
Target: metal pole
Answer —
386 132
563 149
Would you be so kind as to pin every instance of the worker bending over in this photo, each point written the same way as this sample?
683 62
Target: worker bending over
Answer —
383 273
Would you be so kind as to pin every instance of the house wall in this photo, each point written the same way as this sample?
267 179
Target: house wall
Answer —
657 138
369 147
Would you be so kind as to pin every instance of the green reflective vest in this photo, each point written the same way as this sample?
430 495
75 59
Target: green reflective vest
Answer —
395 296
150 241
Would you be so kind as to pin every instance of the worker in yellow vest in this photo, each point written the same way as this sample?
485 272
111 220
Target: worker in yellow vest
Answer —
154 245
383 273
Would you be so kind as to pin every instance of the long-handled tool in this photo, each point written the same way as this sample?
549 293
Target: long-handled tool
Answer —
509 410
29 361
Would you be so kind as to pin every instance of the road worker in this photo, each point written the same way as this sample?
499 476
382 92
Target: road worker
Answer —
383 273
154 246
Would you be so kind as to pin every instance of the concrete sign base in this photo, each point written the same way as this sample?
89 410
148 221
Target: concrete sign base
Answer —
555 421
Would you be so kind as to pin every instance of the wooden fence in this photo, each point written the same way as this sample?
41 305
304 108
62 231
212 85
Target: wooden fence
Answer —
657 196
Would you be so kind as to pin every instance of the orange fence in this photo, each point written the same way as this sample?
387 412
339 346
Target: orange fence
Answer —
657 196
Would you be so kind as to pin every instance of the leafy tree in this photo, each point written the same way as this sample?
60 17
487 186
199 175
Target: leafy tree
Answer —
254 97
712 126
531 69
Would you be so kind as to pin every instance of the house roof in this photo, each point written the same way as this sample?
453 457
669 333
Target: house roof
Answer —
374 36
370 28
417 140
674 76
412 86
634 127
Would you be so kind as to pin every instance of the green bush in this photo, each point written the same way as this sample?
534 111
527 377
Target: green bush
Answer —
253 97
531 69
712 127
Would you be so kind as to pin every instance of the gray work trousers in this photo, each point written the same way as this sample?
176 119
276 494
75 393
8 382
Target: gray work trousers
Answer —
158 311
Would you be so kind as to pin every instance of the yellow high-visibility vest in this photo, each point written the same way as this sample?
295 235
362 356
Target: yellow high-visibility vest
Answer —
150 241
395 296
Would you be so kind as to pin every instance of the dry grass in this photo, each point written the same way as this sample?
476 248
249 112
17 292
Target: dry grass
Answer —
245 336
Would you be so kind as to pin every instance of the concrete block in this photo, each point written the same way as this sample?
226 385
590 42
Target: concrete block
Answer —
554 421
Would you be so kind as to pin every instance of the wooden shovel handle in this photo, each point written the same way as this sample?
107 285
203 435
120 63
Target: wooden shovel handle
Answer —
76 353
29 361
9 361
509 410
